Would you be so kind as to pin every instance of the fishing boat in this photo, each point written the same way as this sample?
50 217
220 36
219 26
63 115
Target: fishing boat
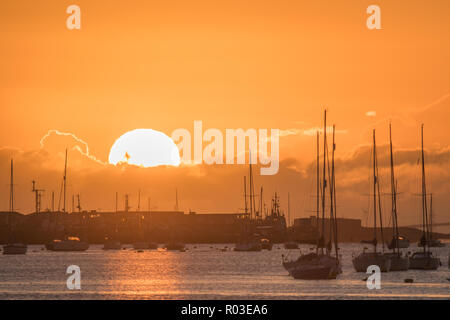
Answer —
11 247
320 265
425 259
399 262
365 259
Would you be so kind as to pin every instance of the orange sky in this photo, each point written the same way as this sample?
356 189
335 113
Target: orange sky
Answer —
231 64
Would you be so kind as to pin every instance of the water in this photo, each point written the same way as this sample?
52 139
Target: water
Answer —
203 272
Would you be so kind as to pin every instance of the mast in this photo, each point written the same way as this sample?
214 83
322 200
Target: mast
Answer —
245 196
65 183
251 184
324 182
393 196
317 192
117 200
425 235
379 203
11 189
289 209
53 201
431 216
333 194
176 199
374 194
260 213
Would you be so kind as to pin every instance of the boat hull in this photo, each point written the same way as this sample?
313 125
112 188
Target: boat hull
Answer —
15 248
424 263
67 246
175 246
398 263
313 267
364 260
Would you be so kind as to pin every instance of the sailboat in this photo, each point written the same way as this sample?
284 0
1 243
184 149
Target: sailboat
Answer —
248 242
11 247
398 261
365 259
432 243
320 265
424 260
69 243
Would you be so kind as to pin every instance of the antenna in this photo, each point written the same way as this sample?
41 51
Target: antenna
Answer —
37 193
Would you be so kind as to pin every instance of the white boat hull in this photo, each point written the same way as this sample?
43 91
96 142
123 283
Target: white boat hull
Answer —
398 263
424 262
248 246
313 267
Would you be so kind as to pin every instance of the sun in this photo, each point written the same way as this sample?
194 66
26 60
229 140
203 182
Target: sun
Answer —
146 148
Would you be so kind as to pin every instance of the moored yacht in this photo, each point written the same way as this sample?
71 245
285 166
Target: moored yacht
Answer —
424 260
111 244
365 259
320 265
399 262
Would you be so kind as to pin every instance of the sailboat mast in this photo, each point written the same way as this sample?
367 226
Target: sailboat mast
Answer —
431 216
11 189
245 196
289 209
393 196
374 194
250 184
65 183
324 183
424 199
333 192
317 191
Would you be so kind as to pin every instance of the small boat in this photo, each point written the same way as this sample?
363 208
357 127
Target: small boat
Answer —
424 261
399 243
15 248
67 245
266 244
153 245
173 246
291 245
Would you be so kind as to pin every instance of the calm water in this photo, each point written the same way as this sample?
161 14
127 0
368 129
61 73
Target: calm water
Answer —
202 272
